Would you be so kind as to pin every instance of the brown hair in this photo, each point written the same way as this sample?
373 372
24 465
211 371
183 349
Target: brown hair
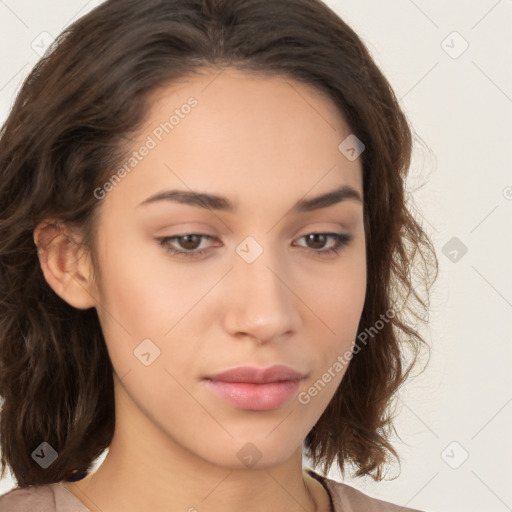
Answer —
67 132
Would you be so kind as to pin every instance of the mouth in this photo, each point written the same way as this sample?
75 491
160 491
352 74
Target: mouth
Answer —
255 389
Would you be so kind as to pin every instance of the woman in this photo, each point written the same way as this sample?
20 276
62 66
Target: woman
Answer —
206 259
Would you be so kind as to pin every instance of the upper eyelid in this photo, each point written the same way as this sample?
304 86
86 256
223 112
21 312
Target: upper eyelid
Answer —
205 236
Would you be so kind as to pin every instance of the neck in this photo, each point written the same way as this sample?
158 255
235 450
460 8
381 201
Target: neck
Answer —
115 487
150 471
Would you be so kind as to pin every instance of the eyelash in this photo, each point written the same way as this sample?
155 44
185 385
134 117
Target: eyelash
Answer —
341 239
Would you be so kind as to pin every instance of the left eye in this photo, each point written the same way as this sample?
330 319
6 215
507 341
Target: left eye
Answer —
191 242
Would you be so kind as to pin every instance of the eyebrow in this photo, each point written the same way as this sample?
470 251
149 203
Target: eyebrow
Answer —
220 203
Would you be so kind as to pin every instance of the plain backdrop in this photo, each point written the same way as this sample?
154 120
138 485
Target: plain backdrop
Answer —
449 63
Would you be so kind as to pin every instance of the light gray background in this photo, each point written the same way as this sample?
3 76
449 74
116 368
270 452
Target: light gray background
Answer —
461 107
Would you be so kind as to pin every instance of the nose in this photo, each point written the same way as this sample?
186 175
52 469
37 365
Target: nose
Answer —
261 303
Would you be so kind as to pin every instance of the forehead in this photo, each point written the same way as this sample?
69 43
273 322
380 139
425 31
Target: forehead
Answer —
244 135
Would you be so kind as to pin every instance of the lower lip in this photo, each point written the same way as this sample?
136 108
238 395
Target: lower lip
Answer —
255 397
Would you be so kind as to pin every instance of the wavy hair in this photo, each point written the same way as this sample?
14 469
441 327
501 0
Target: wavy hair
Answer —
66 133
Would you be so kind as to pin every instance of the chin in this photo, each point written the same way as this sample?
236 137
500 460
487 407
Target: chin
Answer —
257 454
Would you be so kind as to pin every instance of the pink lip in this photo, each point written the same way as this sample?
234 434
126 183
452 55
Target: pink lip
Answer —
256 389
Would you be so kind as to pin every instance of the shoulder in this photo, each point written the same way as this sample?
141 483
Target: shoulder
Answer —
349 499
43 498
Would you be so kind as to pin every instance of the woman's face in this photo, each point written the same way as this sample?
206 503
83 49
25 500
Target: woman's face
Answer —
250 287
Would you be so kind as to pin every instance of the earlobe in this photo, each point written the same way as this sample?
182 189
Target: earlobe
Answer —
65 266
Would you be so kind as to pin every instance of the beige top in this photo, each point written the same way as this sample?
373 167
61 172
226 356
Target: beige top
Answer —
56 498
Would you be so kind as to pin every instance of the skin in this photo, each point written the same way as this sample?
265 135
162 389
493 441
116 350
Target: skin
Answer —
263 142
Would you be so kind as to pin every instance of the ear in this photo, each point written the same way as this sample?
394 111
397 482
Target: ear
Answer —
66 267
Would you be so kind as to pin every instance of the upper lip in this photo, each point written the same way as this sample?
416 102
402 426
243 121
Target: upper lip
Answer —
255 375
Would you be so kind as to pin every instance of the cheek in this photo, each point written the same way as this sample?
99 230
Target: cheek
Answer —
338 304
144 298
339 293
141 290
340 308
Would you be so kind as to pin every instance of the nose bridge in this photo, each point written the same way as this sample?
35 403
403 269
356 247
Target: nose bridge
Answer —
260 303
